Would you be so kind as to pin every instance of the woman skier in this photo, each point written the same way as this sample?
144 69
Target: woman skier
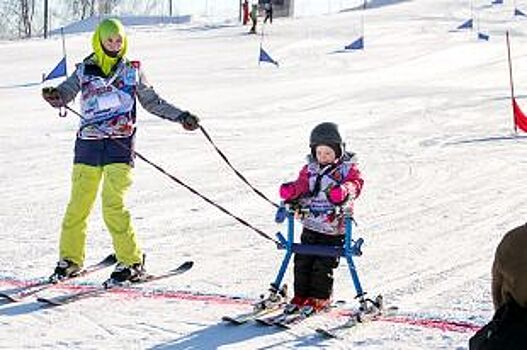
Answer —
109 86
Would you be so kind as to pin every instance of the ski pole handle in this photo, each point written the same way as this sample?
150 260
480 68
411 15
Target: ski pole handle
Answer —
63 112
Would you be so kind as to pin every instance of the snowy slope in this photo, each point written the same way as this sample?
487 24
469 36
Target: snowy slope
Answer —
426 109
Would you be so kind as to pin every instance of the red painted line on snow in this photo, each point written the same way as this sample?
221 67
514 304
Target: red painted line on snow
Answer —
422 321
138 292
443 325
135 292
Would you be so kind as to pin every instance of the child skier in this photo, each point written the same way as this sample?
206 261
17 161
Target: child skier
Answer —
109 84
329 179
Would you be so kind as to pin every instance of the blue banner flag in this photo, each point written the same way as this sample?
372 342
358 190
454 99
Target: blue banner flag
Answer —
264 57
58 71
518 13
483 36
356 45
497 2
467 25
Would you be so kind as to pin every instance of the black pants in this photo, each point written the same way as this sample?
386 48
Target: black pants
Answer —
314 274
253 28
268 16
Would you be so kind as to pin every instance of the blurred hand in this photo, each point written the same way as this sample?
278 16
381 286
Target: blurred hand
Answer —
189 121
287 191
338 195
52 96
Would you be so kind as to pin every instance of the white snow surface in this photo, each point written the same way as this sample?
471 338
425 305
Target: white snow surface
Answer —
426 109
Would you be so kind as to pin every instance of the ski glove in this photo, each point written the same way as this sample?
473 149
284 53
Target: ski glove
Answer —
287 191
189 121
52 96
338 195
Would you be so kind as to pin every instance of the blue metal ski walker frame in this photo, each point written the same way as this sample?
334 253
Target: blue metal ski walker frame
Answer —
348 250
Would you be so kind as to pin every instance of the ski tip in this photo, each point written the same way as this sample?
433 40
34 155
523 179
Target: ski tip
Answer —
48 302
186 265
262 322
230 320
9 298
326 333
282 325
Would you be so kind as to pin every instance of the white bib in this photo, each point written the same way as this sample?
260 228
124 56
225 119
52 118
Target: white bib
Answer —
108 101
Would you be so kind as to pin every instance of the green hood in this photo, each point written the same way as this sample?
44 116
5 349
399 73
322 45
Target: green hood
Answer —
105 29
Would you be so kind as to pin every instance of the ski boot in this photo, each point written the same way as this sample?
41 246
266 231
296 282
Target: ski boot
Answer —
131 273
64 269
318 304
123 274
295 304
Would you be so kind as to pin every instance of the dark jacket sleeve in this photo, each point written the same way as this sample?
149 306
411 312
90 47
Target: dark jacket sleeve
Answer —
69 88
153 103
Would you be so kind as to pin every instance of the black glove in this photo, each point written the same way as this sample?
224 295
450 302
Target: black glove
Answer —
52 96
189 121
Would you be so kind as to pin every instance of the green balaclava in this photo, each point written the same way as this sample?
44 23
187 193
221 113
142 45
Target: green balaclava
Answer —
106 29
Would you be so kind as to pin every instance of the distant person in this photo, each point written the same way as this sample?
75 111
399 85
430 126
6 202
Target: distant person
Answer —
268 7
508 328
254 18
245 8
109 86
329 180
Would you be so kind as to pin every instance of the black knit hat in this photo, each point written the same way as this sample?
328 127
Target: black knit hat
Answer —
326 134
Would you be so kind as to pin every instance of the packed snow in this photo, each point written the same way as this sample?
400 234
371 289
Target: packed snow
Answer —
425 107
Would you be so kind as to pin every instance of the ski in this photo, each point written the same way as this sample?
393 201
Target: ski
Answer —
283 313
299 316
249 316
109 285
17 294
184 267
291 315
355 318
271 304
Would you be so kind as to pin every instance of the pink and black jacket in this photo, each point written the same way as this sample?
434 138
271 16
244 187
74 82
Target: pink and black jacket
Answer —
312 186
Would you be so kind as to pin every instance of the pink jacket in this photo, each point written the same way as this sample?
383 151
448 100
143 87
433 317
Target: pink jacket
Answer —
321 217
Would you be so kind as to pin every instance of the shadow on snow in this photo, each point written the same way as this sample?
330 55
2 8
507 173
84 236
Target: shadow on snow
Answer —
488 139
221 334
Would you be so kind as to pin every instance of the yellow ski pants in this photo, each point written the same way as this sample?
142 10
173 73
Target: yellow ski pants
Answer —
116 180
